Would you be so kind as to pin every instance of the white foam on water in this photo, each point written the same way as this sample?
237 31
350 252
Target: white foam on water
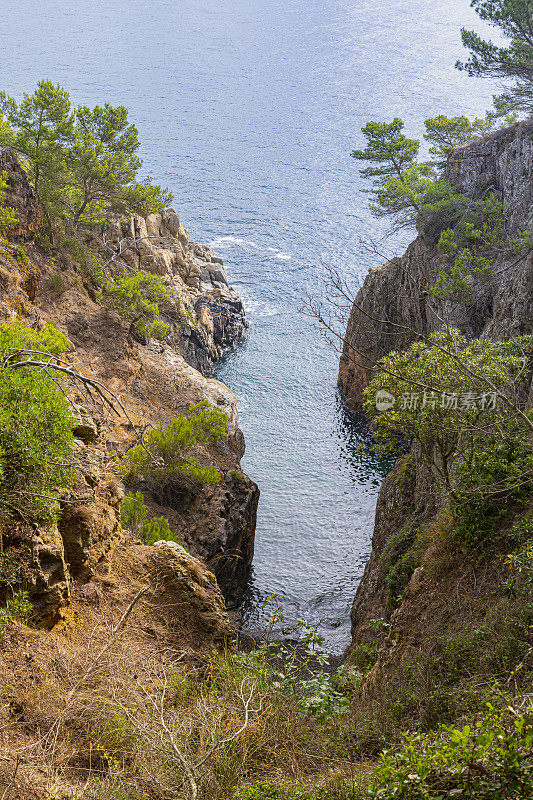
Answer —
230 241
254 307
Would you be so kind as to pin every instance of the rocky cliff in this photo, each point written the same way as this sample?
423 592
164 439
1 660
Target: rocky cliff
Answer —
150 381
394 305
421 589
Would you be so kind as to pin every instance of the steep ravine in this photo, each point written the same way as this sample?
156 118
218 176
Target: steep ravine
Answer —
449 594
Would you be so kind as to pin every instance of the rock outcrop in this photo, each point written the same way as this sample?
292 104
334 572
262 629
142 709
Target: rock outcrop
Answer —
21 196
393 305
212 319
390 310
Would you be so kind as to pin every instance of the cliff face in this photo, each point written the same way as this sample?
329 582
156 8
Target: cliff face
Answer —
445 593
153 381
393 304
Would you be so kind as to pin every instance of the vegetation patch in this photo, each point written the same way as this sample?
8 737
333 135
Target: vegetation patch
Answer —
166 459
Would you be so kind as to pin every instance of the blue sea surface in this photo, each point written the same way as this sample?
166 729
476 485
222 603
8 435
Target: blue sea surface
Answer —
248 111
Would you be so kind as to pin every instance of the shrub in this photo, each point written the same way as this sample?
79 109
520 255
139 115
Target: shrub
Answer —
165 460
364 656
83 255
134 512
36 440
400 558
490 759
498 475
8 217
472 246
134 515
157 529
138 296
462 403
57 284
17 607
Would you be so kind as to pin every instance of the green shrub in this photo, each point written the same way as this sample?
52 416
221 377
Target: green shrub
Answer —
138 296
36 440
57 284
462 403
166 461
490 759
84 256
8 217
157 529
400 558
473 245
134 512
498 476
18 607
363 656
134 516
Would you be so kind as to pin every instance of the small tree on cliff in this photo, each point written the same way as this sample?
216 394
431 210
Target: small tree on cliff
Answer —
83 162
403 187
103 167
40 128
513 63
446 133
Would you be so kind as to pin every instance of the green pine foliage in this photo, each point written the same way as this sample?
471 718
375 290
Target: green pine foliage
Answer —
511 65
136 517
473 245
82 161
400 182
166 459
444 134
157 529
406 190
137 296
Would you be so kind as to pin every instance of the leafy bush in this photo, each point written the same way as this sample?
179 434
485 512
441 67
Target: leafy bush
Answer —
134 516
472 245
490 759
498 475
400 558
166 459
134 512
138 296
36 440
463 403
18 607
8 217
